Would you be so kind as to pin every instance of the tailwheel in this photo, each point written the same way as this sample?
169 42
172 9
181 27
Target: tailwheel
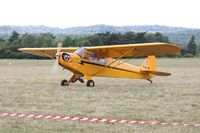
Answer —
90 83
150 81
64 82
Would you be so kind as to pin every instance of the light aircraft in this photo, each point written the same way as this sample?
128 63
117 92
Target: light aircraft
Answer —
105 61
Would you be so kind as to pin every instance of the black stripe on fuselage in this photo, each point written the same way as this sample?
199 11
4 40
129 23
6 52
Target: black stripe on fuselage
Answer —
96 64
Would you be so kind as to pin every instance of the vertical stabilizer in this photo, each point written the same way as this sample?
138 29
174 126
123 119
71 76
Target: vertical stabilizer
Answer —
149 64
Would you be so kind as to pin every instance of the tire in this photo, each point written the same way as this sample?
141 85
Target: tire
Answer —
90 83
63 82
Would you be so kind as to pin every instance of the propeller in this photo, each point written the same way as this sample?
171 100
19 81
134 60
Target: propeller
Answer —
56 66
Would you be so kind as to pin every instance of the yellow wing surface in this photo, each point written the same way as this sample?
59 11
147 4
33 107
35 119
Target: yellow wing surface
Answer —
47 52
132 50
113 51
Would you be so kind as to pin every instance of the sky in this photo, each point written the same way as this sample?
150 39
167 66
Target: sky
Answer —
72 13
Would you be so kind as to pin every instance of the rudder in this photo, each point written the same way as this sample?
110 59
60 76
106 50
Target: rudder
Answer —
149 66
149 63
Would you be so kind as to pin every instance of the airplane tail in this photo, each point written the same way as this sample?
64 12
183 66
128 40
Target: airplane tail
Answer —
149 66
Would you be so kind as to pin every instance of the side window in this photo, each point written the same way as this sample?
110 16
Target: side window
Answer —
87 54
91 56
102 61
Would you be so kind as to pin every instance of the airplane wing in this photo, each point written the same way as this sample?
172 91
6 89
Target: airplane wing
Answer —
134 50
112 51
47 52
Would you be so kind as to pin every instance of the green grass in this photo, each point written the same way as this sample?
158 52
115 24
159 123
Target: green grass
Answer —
28 86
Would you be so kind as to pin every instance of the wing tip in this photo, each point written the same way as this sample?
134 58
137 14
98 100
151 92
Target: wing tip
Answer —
20 49
23 49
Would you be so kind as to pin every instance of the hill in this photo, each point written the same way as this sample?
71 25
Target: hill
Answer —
178 35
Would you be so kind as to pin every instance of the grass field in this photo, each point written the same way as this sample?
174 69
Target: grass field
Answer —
28 86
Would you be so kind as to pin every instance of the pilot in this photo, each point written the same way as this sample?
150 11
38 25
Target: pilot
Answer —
93 58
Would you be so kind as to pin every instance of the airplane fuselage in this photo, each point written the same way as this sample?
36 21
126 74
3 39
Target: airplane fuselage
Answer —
110 68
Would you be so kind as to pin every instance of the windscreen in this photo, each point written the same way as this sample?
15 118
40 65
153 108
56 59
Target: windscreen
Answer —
91 56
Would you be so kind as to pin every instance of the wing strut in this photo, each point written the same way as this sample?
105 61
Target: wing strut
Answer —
48 55
114 61
128 60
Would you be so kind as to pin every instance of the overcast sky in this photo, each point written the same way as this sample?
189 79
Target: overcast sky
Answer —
70 13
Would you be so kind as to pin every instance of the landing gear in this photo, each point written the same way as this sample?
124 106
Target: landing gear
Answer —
81 80
64 83
73 79
90 83
150 81
78 79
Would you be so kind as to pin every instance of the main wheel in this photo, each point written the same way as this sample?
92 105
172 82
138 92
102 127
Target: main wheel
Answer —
63 83
90 83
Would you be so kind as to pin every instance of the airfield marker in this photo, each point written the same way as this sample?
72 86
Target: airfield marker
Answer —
74 118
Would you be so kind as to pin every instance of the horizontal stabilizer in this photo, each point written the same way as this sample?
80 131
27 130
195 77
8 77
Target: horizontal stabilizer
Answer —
157 73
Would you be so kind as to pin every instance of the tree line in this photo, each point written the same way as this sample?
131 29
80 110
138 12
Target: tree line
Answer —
9 47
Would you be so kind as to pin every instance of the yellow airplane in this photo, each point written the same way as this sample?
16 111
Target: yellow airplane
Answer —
105 61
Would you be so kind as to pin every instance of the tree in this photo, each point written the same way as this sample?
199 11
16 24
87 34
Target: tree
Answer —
191 46
28 40
68 41
128 37
2 40
9 48
14 36
140 37
156 37
46 40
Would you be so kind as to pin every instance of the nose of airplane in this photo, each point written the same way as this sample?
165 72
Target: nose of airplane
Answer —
65 56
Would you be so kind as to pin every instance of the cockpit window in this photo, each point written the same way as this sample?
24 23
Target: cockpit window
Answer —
91 56
80 51
102 61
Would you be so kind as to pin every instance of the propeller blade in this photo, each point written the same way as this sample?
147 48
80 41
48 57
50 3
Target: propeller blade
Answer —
56 66
58 49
